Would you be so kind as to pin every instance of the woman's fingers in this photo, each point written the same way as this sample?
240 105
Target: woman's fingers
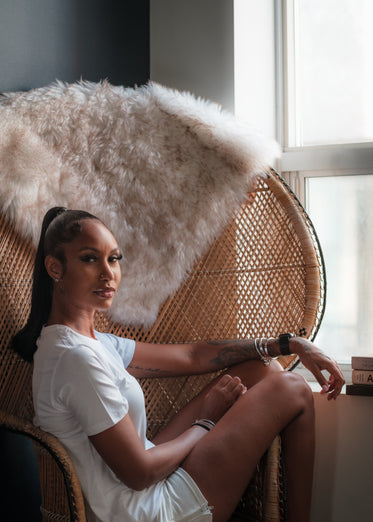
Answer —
317 361
233 385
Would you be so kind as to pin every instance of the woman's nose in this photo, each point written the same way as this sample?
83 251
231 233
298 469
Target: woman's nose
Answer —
106 273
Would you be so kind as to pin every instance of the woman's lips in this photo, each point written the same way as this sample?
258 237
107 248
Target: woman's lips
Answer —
105 293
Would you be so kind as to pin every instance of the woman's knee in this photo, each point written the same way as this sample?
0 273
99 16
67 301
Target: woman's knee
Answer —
295 387
252 372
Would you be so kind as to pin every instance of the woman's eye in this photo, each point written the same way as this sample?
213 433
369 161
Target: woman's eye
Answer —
114 259
89 259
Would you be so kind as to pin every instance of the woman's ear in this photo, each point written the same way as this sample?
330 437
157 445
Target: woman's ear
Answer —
54 267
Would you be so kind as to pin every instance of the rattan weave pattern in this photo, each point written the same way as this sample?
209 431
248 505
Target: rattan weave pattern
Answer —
263 276
16 260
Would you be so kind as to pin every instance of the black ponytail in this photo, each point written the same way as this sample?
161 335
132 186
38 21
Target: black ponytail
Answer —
59 226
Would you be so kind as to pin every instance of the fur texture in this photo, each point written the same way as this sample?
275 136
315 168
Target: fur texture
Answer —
165 171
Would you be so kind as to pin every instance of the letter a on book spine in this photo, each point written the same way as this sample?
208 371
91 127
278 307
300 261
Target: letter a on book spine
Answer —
362 376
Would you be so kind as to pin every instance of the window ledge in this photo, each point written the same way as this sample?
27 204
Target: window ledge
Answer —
332 157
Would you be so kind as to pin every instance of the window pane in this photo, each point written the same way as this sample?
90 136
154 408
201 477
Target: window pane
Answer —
342 212
333 42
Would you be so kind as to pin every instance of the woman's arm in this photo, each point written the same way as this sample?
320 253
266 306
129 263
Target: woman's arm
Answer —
162 360
156 360
123 452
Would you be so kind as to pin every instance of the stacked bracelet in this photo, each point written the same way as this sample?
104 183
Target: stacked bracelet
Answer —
204 423
261 347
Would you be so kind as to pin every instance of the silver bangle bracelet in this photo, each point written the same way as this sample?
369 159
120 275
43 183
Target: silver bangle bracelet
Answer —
266 346
262 350
204 423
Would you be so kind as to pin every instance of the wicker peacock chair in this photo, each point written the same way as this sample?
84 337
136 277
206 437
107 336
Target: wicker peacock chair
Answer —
263 276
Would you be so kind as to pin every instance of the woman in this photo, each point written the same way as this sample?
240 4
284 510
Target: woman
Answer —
86 393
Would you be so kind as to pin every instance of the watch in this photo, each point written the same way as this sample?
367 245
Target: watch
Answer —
284 342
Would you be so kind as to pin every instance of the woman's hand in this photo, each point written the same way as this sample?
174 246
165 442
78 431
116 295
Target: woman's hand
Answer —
315 361
221 396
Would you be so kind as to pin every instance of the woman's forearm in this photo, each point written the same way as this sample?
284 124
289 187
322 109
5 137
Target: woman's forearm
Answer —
163 360
163 459
215 355
122 450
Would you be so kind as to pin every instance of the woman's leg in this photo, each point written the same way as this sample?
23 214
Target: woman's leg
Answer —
250 373
224 461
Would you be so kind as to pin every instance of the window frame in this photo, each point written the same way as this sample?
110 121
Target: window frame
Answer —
299 163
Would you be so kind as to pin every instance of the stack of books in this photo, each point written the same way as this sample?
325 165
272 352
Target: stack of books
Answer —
362 376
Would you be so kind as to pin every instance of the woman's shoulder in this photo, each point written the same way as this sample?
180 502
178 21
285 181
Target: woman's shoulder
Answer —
57 342
61 341
63 336
121 345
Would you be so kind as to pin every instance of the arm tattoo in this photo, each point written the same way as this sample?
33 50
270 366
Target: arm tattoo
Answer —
233 352
150 372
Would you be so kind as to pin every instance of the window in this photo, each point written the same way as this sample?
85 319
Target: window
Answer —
328 153
343 216
320 93
328 56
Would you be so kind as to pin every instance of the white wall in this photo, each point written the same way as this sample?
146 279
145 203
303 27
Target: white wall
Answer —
255 64
194 47
342 490
191 47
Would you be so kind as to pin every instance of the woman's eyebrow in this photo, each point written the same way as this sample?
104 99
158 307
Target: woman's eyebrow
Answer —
88 248
93 249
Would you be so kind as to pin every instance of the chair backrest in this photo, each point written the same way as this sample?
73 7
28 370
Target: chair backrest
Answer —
263 276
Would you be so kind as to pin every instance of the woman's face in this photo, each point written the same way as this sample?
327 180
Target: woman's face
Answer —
92 273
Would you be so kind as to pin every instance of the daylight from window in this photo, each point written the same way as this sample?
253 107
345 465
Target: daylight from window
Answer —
342 213
333 73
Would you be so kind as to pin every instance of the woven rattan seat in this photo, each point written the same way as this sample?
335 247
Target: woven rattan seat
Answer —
263 276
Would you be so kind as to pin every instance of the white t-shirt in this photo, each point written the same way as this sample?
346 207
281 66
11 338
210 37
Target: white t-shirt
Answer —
80 388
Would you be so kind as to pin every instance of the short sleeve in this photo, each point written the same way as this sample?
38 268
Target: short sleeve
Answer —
89 392
125 348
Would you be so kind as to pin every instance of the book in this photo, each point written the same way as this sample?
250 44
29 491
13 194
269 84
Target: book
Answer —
362 362
359 389
362 377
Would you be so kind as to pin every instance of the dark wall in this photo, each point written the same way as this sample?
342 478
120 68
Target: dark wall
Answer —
41 41
45 40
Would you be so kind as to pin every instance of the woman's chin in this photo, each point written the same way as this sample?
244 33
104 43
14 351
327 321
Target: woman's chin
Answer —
104 305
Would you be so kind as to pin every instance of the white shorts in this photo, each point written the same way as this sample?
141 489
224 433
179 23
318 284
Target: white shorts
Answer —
187 502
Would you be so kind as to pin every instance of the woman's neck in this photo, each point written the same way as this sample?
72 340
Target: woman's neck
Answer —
82 323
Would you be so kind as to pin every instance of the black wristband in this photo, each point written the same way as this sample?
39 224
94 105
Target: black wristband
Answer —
284 343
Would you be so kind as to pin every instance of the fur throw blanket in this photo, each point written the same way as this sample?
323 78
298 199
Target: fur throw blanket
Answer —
165 171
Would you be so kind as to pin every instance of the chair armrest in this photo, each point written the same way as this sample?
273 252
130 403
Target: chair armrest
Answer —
53 461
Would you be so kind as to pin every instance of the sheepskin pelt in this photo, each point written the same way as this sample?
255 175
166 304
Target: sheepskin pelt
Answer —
164 170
